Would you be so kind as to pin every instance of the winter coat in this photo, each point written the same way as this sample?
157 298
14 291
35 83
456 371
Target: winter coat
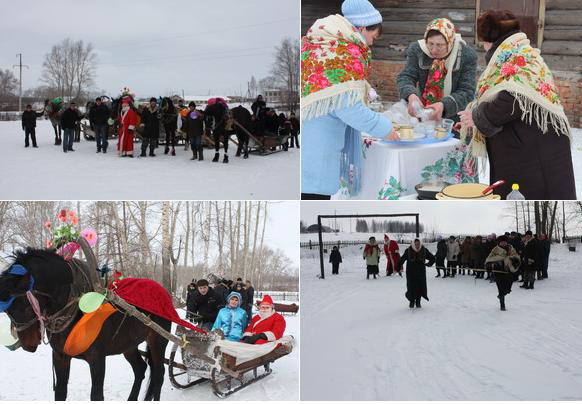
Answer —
170 118
194 127
249 297
416 263
272 123
479 253
335 257
453 250
230 320
258 108
69 119
530 256
392 251
221 292
412 79
205 305
273 327
151 121
372 253
295 126
99 114
324 139
519 152
441 252
466 257
29 119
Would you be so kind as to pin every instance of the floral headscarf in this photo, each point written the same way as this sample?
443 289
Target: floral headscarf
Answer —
335 64
439 79
518 68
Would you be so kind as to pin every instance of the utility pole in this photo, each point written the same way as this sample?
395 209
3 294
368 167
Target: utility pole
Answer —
20 66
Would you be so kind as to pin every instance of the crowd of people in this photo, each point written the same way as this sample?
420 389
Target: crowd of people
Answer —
505 259
227 305
215 120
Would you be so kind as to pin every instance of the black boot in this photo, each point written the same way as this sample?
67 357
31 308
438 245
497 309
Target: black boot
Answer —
502 303
216 157
152 152
411 305
418 303
200 154
143 153
166 150
225 159
173 153
194 154
525 285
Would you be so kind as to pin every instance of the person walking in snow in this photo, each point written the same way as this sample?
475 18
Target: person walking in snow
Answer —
453 251
505 261
440 256
417 258
372 257
392 252
336 259
29 125
544 249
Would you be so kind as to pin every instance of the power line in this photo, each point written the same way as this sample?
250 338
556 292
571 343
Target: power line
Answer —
20 66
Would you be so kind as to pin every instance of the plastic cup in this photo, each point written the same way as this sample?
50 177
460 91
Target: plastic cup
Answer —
448 125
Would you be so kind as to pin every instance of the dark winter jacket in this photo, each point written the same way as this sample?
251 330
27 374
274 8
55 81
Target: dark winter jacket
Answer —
530 256
69 118
206 305
99 114
466 255
250 296
29 119
221 292
258 108
441 250
272 124
412 79
335 257
479 253
194 127
151 121
416 263
295 126
541 163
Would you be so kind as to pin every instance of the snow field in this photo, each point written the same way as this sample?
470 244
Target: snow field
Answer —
362 342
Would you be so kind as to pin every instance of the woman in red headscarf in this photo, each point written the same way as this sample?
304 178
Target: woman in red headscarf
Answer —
392 252
128 121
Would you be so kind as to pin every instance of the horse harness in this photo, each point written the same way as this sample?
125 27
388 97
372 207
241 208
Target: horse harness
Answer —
61 319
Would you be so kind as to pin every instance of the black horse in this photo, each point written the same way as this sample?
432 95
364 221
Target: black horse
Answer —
57 287
244 118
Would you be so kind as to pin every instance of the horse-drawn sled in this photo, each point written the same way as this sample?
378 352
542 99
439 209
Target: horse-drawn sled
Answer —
55 296
236 365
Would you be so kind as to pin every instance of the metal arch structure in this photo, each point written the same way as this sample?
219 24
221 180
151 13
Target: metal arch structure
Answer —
320 239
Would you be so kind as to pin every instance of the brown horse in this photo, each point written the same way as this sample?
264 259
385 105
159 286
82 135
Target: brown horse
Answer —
56 287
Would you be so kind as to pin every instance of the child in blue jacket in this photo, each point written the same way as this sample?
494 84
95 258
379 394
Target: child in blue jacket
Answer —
231 319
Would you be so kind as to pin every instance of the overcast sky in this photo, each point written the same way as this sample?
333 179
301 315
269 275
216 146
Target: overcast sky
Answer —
154 47
446 217
283 228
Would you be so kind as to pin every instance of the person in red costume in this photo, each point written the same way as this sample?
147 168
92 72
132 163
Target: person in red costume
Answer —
392 252
128 121
267 326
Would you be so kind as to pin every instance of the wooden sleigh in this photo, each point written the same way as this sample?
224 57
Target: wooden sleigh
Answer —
284 308
225 375
264 145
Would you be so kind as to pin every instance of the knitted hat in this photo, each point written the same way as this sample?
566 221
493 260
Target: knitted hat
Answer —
361 13
267 300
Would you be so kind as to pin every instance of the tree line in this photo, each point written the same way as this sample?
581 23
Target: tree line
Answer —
171 242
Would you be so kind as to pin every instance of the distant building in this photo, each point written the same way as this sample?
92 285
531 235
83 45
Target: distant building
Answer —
278 97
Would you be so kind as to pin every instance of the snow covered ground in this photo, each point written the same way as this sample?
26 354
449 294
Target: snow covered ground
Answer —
48 173
362 342
20 370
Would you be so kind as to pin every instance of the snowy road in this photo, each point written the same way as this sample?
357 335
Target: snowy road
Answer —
48 173
362 342
20 370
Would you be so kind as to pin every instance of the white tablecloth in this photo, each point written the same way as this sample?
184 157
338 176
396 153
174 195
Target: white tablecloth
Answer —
403 162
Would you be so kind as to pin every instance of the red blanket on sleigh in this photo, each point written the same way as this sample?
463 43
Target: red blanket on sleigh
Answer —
150 296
